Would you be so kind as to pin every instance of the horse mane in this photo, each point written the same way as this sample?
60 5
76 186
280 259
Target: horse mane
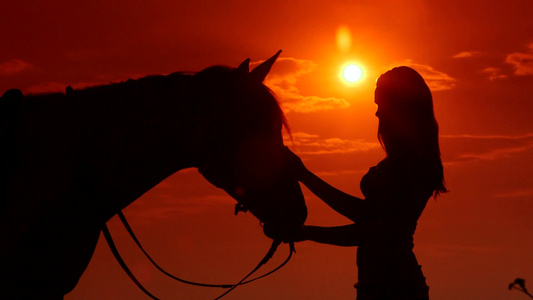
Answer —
284 120
115 91
151 86
129 86
172 87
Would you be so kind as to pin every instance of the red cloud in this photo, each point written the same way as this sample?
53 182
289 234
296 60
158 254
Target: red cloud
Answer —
283 80
523 62
494 73
466 54
461 148
14 66
314 145
436 80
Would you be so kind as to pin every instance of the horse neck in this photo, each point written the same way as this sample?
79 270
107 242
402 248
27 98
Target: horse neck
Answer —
139 141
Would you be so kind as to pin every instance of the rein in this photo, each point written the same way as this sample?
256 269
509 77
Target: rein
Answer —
230 287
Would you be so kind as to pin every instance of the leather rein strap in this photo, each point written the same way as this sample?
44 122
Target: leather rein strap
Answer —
230 287
119 259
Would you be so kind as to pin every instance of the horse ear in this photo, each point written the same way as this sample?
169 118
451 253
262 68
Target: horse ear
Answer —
260 72
244 67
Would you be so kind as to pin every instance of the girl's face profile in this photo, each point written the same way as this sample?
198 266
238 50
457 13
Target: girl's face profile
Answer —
381 104
376 101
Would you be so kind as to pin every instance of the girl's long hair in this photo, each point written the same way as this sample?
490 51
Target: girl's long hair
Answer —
408 131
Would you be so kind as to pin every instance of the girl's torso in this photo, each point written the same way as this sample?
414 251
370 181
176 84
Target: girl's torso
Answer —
387 265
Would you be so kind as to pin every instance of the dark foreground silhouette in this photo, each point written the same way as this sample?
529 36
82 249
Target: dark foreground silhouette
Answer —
396 191
69 162
520 284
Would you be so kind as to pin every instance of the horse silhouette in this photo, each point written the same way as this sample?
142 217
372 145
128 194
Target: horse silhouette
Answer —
69 162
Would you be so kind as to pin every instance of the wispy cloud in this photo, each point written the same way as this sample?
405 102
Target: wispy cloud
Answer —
436 80
315 145
47 87
14 66
494 73
488 137
172 206
283 80
523 62
495 154
467 54
305 104
488 148
516 194
455 249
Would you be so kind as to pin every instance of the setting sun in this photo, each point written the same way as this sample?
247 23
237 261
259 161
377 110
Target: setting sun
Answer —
352 73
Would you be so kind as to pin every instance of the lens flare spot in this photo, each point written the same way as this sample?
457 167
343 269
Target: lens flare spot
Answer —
344 39
352 73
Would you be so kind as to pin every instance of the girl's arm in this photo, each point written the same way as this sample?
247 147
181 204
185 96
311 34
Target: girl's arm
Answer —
345 204
347 235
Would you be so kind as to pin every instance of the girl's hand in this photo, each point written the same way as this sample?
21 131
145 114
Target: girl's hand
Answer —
298 236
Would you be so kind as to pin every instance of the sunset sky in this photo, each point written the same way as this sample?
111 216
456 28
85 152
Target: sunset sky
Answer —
476 56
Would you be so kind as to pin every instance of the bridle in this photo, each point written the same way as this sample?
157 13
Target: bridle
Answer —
258 74
230 287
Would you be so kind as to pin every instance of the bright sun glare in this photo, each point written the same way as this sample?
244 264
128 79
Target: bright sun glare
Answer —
352 73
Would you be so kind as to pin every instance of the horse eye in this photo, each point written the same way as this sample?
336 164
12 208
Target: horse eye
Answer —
239 191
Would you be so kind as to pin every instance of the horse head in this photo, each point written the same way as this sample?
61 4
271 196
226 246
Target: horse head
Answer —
243 149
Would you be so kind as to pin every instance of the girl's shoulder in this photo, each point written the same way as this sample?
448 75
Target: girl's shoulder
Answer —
398 175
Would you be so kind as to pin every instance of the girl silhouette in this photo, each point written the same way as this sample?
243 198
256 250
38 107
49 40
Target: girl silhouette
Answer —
396 192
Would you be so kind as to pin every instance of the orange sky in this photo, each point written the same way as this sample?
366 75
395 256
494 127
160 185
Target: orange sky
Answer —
477 57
